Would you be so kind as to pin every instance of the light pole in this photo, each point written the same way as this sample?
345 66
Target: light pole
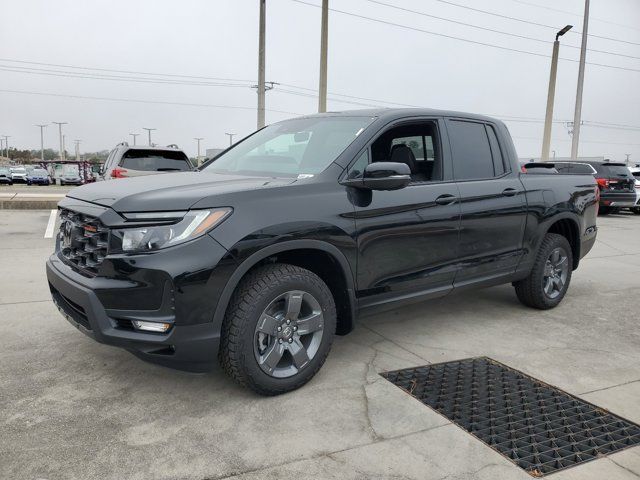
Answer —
230 135
324 42
198 159
578 112
6 144
149 130
548 119
1 146
134 135
261 61
77 142
61 141
42 127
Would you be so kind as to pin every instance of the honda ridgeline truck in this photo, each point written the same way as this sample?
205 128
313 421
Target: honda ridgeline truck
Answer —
261 256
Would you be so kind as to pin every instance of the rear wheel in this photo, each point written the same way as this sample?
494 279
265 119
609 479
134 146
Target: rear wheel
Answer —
278 329
547 284
604 210
636 210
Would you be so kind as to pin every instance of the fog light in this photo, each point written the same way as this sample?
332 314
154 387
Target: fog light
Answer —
151 326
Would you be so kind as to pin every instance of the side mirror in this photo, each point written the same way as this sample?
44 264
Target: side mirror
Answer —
382 176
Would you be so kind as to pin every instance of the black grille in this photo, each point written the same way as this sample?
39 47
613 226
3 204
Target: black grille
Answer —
538 427
70 308
83 242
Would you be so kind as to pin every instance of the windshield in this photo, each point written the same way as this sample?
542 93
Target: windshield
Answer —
155 161
4 171
292 147
18 170
39 173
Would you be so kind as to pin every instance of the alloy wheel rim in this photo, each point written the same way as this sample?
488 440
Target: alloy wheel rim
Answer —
556 271
288 334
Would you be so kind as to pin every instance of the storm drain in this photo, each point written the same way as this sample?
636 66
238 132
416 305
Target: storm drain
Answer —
538 427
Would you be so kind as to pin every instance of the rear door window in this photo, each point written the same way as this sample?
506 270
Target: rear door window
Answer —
472 159
155 160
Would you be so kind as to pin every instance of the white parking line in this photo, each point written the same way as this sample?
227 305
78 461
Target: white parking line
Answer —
48 233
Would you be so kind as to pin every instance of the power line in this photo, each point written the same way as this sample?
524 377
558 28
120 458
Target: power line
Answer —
448 2
466 40
487 29
63 73
133 100
127 71
575 14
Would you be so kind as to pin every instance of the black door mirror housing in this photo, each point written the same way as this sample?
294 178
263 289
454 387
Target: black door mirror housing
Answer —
382 176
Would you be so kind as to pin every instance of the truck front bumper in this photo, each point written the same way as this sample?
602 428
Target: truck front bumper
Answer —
184 347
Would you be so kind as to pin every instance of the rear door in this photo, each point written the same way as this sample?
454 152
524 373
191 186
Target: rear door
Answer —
493 204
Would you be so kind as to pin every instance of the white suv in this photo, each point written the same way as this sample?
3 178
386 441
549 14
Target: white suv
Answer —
635 171
134 161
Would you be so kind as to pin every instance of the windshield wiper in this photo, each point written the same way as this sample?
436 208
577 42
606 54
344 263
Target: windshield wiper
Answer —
168 169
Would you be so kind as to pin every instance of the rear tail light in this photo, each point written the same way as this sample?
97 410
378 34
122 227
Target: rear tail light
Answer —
603 182
118 173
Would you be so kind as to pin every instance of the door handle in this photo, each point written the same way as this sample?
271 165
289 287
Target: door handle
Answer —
446 199
509 192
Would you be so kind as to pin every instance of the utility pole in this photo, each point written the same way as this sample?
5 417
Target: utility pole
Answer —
627 161
548 120
575 141
134 135
61 141
77 142
64 145
6 143
324 44
198 159
261 72
42 127
1 146
149 130
230 135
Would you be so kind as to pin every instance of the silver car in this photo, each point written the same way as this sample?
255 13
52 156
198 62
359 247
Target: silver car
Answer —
133 161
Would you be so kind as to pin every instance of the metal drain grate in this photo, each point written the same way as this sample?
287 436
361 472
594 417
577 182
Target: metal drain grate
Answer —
538 427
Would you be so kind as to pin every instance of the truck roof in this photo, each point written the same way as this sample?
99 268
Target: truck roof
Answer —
397 113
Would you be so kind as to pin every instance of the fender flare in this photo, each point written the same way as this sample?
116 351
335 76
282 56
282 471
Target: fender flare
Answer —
253 259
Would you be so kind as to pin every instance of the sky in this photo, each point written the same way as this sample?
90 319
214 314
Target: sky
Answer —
196 61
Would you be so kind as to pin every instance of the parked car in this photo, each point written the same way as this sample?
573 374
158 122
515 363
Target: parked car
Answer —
5 176
38 176
617 186
18 174
70 178
265 253
635 171
134 161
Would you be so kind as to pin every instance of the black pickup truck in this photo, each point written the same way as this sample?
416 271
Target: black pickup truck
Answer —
280 242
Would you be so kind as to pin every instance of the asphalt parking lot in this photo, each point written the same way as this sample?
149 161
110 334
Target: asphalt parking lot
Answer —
74 409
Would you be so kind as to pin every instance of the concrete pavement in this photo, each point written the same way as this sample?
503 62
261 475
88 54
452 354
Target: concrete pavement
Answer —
73 409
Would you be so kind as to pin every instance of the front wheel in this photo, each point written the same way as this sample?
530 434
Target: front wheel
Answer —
278 329
547 284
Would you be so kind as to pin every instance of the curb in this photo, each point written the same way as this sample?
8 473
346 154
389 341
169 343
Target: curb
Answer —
29 204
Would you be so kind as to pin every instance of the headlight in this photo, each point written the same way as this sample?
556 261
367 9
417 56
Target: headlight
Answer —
188 226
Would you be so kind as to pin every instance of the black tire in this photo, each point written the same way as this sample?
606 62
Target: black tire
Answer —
636 210
604 210
531 291
250 300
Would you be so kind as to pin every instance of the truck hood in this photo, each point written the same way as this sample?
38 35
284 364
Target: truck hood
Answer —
169 191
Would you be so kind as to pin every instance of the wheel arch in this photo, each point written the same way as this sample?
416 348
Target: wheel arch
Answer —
568 227
309 254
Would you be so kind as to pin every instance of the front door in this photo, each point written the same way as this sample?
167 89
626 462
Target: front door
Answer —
408 238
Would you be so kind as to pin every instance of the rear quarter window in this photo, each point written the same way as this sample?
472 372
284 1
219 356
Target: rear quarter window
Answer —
155 161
